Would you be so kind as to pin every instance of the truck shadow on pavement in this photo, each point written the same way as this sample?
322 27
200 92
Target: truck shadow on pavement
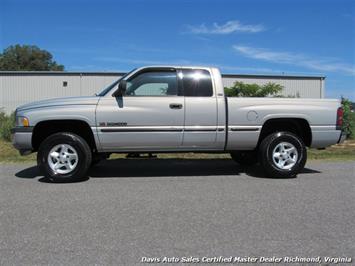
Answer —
125 168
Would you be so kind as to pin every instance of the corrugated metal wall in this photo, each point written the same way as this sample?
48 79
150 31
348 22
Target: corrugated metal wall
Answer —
19 89
23 87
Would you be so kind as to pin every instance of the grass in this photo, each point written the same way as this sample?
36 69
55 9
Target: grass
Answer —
9 154
342 152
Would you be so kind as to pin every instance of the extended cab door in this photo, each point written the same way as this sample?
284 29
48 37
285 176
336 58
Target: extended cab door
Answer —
149 117
200 131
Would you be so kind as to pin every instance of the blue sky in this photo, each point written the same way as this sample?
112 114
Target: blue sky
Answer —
260 37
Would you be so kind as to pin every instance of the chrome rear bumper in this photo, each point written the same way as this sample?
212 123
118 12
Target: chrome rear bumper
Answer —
342 137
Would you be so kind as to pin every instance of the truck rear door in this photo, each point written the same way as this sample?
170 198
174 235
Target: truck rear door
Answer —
200 129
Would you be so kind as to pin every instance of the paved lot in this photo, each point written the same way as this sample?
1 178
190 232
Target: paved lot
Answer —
154 208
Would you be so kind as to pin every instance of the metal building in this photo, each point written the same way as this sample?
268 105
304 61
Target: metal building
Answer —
17 88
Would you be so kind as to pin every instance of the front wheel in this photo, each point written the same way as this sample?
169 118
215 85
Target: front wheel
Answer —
282 154
64 157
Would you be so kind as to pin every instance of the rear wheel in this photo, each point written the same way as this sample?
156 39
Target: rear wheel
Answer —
282 154
245 157
64 157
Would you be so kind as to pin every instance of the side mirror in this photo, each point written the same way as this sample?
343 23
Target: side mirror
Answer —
121 89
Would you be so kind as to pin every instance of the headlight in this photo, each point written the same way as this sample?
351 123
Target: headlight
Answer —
22 121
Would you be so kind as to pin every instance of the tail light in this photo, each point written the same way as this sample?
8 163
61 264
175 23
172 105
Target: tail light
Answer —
340 113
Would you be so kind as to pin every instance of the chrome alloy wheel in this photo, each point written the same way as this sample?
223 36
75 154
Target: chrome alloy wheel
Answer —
285 155
63 159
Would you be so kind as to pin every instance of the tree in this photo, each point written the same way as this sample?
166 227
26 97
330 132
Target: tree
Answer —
27 57
240 89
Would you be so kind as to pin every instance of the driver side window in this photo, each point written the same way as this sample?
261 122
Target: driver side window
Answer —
155 83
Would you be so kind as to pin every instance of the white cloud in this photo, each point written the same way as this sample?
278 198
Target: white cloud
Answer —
296 59
227 28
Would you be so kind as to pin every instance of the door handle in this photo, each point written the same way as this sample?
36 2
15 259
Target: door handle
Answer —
175 106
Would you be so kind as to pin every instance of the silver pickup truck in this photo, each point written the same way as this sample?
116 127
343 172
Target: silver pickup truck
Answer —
174 109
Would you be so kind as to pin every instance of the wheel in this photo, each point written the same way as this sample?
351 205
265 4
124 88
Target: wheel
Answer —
282 154
64 157
245 157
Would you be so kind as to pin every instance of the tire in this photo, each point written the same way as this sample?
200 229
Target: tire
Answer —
64 157
282 154
245 158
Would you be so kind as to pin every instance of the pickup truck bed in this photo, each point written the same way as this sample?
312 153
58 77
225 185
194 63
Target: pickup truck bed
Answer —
247 116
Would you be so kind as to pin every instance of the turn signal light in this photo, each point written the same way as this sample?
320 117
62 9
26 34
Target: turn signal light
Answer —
22 121
25 122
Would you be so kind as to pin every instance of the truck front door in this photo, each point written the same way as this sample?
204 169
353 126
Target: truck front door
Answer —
150 116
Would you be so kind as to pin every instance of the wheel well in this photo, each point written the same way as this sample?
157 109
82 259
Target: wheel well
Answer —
297 126
46 128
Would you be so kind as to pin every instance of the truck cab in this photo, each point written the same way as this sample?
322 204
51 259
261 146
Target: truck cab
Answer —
163 109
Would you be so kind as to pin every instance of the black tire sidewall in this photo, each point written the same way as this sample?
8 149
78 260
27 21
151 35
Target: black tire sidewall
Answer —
268 146
78 143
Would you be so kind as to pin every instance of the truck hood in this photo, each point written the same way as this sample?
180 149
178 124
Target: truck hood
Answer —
87 100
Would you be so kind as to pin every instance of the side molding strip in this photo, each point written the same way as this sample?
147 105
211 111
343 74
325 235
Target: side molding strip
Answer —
244 129
140 130
161 129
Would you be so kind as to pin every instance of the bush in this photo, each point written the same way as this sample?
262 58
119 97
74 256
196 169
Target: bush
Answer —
348 118
6 123
352 125
240 89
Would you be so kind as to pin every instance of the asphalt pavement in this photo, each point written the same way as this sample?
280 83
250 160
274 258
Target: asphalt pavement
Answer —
134 210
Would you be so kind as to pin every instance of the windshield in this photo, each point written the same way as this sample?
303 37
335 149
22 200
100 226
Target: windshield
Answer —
106 90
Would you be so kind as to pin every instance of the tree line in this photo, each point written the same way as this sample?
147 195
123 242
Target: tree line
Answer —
27 58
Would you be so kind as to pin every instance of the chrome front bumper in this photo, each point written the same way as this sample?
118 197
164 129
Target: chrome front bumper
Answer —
22 139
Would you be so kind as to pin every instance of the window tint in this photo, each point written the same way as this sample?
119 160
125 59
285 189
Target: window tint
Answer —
153 84
196 82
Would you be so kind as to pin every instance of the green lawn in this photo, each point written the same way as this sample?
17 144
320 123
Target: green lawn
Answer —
345 151
9 154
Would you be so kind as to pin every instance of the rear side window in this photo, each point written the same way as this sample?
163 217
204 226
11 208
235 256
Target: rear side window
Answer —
197 82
